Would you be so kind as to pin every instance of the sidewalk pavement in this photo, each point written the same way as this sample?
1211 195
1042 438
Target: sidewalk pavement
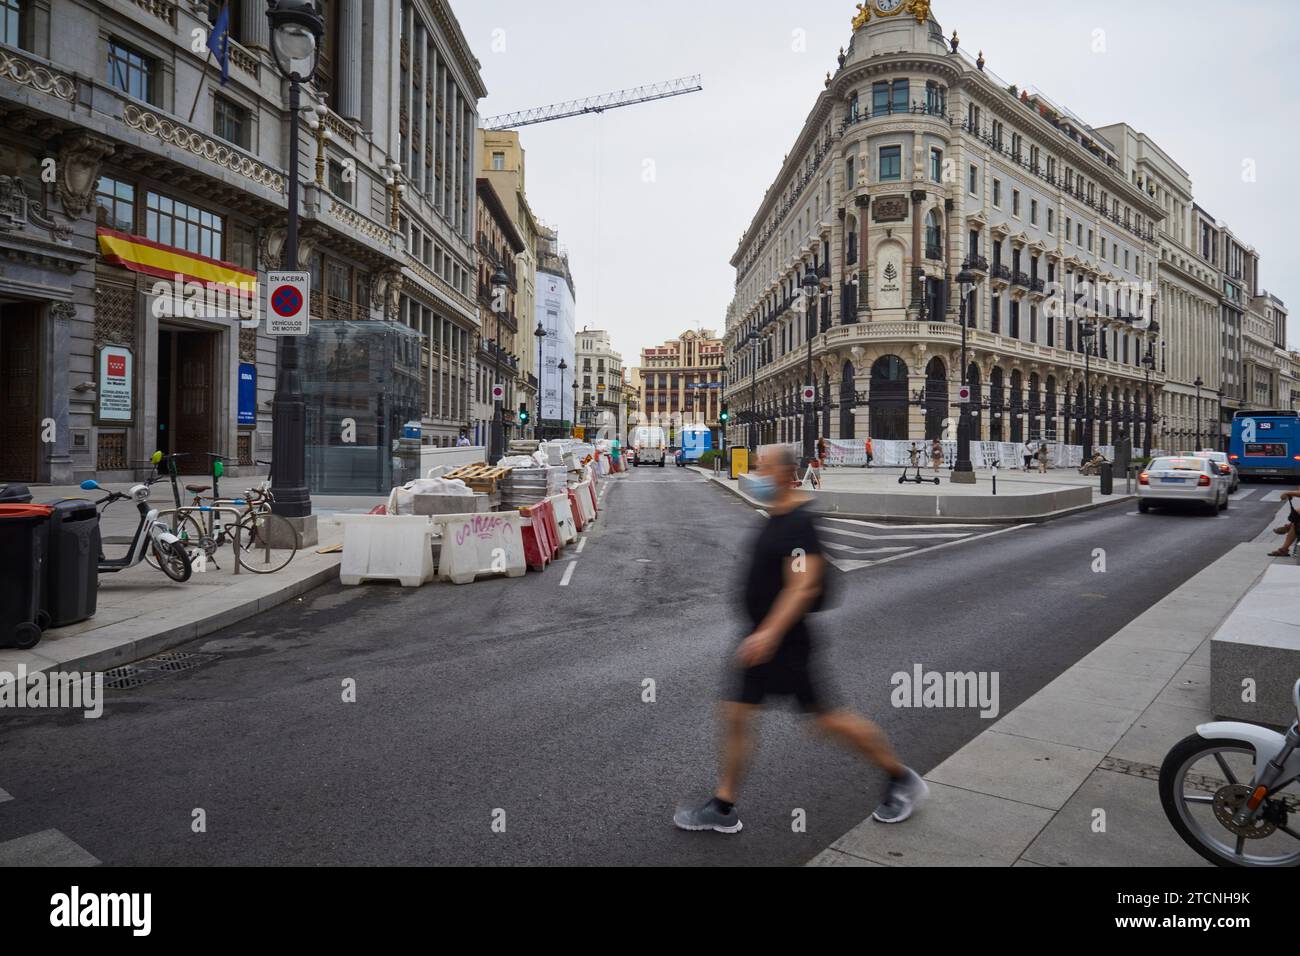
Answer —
875 493
1026 791
140 612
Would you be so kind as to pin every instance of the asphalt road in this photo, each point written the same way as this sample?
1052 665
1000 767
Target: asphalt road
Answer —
527 696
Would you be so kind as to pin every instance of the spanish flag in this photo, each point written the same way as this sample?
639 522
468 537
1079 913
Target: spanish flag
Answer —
166 262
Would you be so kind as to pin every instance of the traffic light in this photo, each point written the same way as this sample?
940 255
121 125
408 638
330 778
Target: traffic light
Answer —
725 415
523 414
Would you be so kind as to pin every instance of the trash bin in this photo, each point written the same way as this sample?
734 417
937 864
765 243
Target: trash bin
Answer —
24 531
15 495
71 585
1107 479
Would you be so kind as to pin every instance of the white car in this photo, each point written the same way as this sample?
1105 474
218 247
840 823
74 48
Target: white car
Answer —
1226 466
1189 479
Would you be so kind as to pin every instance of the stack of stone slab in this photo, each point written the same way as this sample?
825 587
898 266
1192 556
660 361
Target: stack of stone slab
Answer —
524 487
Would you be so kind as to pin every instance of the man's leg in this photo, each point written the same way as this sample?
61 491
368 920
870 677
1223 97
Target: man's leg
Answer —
737 745
864 736
1285 550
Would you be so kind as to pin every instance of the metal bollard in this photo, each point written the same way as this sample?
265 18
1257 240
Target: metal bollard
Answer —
1107 479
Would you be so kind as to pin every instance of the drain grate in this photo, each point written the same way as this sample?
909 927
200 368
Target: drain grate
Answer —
129 676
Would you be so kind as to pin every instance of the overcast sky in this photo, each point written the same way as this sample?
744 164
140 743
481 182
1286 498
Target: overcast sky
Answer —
651 200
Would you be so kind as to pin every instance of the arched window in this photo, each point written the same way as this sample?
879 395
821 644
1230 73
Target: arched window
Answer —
933 236
936 398
848 401
888 399
997 405
1016 407
1035 408
1050 431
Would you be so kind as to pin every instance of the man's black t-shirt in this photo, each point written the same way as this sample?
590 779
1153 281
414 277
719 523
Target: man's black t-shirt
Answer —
784 536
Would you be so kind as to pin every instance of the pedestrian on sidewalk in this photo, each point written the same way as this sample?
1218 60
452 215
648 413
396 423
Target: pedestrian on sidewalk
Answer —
936 455
1042 457
1028 453
786 581
1289 529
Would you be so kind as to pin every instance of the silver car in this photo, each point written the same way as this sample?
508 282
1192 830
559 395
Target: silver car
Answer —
1226 466
1191 479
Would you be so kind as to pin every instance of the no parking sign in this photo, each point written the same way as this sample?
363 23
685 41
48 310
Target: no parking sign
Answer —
288 303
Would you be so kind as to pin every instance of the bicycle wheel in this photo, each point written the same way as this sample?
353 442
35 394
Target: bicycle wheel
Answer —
174 560
185 526
259 542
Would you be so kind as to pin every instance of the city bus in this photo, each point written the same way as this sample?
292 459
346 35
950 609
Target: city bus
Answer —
1266 444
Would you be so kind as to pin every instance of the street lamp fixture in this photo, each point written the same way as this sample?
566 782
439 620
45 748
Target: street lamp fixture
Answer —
563 366
296 34
811 286
1149 365
1199 384
963 472
500 286
540 334
1087 332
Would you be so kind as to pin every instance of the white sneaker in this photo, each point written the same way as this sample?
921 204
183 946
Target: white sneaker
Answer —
903 798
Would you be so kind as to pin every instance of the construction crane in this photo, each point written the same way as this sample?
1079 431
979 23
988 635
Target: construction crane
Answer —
596 104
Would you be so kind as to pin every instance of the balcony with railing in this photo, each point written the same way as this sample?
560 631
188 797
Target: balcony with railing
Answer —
1000 275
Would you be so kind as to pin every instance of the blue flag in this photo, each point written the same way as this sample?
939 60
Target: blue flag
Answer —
219 41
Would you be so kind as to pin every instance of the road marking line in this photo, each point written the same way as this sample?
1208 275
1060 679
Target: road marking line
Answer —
582 543
886 527
895 537
568 574
846 547
855 565
46 848
4 796
1271 496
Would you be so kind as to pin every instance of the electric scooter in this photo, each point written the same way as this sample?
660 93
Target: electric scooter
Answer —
1225 792
150 534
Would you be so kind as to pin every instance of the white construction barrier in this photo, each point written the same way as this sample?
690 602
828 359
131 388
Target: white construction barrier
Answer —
386 548
564 518
586 505
481 545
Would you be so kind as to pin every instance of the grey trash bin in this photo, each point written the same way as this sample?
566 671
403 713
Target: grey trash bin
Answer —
71 586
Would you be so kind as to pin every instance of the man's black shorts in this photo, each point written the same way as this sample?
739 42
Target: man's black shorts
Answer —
792 673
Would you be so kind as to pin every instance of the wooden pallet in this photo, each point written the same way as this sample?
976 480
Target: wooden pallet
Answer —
479 477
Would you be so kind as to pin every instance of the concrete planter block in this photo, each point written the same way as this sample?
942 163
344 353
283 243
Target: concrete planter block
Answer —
1259 642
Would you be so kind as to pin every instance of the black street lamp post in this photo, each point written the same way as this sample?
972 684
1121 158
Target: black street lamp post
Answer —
575 402
811 288
540 334
1148 364
963 471
1086 333
722 403
296 35
752 339
562 367
1199 385
500 286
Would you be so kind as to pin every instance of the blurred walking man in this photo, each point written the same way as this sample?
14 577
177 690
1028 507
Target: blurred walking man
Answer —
785 582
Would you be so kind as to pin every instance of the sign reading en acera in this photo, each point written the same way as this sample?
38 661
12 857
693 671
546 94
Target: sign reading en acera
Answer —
288 303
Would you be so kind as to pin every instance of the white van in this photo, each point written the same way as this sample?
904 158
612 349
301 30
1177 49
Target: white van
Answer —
649 445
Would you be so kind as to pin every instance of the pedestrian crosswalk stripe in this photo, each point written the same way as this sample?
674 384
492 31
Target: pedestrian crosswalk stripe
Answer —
1271 496
898 537
46 848
853 550
4 796
915 527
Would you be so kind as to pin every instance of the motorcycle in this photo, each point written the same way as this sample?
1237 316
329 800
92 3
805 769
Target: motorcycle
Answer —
151 535
1222 790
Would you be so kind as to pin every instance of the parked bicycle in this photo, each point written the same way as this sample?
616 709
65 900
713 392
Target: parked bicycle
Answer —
262 542
152 537
1225 792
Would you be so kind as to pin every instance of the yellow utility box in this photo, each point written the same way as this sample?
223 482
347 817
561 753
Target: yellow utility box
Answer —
739 462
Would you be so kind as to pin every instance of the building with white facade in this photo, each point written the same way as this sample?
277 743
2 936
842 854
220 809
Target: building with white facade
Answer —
557 315
602 404
916 160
